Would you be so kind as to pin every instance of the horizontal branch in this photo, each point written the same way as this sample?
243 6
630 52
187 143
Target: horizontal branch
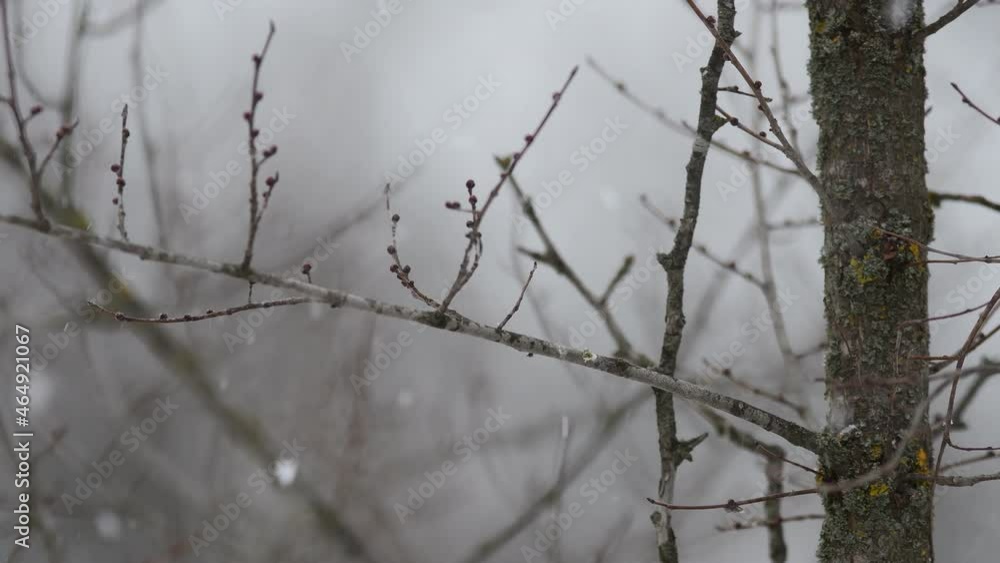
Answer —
938 197
793 433
959 480
733 505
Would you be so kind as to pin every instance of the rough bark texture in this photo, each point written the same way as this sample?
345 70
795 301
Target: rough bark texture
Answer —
868 91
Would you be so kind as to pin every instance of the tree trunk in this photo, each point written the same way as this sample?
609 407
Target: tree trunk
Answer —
868 92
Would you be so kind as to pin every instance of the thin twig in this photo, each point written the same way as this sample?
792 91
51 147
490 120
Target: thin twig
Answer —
736 526
520 297
552 257
252 132
623 271
465 270
661 117
727 265
973 105
758 135
35 173
755 87
734 505
119 171
209 314
402 271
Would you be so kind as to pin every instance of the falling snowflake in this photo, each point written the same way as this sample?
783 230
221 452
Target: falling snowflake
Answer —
404 399
285 471
108 525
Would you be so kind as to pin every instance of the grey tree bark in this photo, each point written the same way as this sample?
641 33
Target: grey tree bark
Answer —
868 88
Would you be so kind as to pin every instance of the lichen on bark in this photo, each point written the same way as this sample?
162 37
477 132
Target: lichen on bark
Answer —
868 90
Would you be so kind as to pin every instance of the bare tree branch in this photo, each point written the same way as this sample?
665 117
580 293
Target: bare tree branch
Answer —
960 7
790 431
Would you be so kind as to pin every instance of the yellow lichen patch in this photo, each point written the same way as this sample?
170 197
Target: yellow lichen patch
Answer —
876 452
922 466
878 489
859 272
915 251
820 26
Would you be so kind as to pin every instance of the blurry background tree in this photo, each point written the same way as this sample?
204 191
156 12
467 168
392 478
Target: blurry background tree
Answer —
233 396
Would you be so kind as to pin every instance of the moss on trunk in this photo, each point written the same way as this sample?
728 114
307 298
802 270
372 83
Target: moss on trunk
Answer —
868 89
